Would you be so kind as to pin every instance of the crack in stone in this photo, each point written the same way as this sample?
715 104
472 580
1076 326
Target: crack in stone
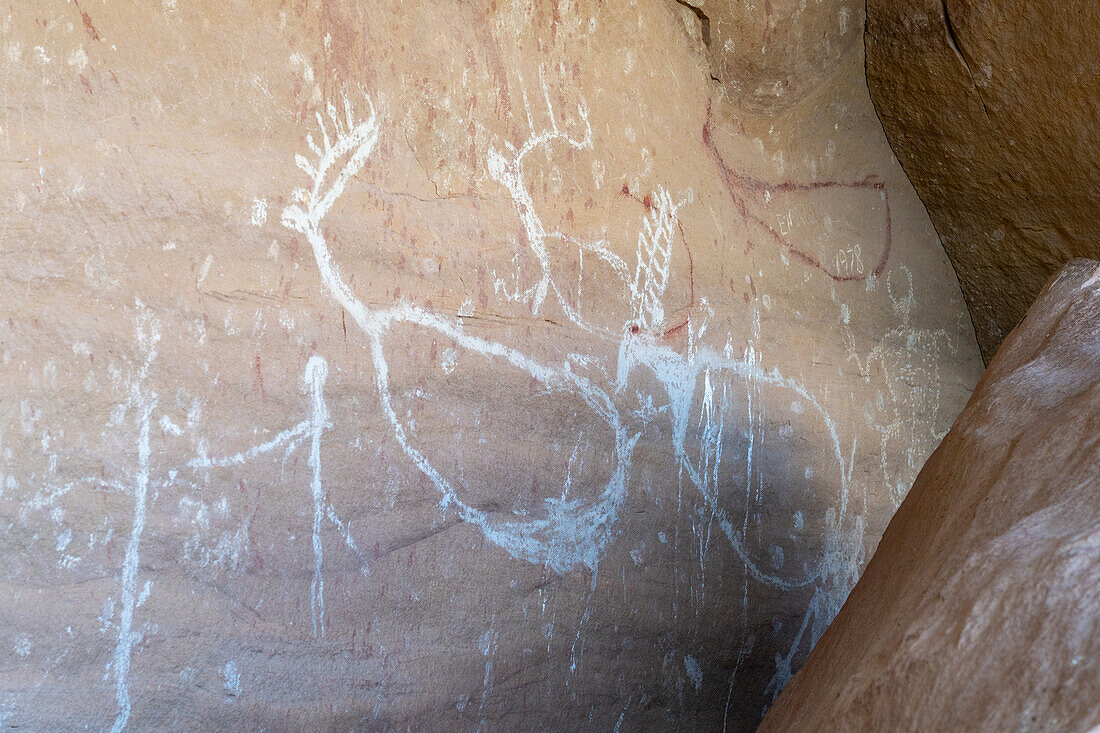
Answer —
704 24
953 41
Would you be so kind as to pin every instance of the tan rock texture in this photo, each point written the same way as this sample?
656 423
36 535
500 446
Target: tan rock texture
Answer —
445 365
993 108
980 610
769 56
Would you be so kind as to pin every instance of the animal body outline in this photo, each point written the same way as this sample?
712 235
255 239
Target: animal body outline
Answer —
568 534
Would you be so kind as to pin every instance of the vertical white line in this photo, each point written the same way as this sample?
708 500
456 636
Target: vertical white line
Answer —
124 648
315 375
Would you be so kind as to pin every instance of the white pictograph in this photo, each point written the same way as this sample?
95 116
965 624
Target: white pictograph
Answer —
903 357
705 394
647 289
568 533
121 617
316 373
143 402
643 290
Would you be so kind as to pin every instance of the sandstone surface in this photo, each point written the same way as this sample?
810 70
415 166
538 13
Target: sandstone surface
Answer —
992 109
980 609
447 365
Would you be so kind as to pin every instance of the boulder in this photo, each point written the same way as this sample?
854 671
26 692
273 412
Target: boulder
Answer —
980 610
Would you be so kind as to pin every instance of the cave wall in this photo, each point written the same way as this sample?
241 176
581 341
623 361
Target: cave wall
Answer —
991 108
448 365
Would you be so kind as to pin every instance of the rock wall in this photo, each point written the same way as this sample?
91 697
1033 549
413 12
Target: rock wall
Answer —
375 365
991 107
979 611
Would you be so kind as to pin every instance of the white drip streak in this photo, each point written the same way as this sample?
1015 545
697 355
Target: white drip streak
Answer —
126 635
315 375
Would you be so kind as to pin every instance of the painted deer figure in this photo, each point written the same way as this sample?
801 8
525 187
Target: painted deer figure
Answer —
568 533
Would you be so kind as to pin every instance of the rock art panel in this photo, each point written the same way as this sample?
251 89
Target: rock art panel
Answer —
979 608
991 107
481 366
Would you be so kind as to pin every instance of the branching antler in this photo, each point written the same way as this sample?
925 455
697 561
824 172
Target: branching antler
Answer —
654 262
353 144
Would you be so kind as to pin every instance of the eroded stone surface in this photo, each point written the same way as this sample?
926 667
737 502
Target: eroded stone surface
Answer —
992 109
572 388
979 611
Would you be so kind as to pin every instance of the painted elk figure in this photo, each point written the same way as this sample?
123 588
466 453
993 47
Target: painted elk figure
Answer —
702 384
